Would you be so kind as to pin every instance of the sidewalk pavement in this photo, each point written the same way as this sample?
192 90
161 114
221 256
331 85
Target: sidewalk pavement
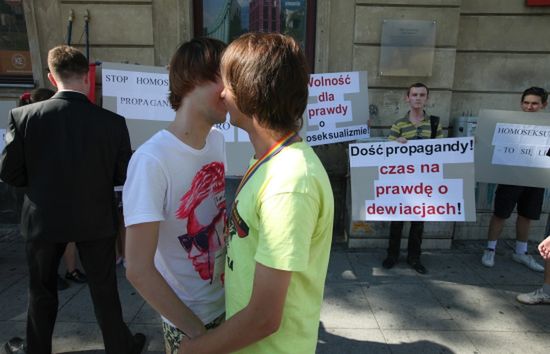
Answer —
458 307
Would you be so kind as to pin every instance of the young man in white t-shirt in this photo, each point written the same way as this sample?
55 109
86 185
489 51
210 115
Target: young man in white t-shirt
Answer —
174 201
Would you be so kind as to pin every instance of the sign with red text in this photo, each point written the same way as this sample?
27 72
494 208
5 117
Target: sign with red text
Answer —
512 147
338 108
422 180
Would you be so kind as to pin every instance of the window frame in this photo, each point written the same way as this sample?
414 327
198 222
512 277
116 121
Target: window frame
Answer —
34 51
311 14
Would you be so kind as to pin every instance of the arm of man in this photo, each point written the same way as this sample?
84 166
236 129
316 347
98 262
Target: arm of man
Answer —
259 319
141 244
12 162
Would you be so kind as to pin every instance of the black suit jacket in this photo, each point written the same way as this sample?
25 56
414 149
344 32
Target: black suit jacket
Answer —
68 153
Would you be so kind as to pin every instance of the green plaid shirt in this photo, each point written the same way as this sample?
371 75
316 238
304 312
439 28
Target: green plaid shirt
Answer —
404 128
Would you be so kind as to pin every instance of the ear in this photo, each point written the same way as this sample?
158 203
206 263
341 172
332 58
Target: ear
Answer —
544 105
51 78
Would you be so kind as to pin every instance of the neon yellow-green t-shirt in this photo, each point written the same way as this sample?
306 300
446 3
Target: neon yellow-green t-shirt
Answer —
285 215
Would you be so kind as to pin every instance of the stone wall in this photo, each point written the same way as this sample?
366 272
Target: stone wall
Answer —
486 53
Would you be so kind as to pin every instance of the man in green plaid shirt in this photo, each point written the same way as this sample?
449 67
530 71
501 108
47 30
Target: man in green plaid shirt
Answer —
416 124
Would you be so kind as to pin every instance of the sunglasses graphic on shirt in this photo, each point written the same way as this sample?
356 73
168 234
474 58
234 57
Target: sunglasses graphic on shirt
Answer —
200 240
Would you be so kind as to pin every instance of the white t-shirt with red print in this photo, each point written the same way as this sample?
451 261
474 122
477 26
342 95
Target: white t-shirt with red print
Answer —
184 189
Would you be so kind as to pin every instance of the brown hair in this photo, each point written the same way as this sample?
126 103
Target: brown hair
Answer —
36 95
268 75
67 62
536 91
193 63
418 84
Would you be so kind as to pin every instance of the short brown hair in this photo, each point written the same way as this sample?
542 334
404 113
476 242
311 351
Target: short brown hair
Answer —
536 91
417 85
67 62
268 75
193 63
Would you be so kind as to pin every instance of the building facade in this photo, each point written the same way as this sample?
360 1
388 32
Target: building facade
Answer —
486 53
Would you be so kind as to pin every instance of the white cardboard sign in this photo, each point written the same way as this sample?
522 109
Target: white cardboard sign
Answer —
3 140
338 108
410 182
521 145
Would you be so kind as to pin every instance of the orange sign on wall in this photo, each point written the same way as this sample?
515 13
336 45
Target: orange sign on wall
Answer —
15 62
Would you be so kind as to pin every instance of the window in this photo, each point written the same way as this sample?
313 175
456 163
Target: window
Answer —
228 19
15 59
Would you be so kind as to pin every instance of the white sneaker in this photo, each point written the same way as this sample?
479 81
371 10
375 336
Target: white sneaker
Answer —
488 258
536 297
529 261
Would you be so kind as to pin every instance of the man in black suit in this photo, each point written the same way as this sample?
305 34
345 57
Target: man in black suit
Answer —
69 153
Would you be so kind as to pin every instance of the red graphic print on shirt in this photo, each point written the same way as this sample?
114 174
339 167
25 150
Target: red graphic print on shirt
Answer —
204 208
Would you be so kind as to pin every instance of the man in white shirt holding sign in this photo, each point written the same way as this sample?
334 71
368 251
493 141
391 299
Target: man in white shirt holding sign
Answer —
528 200
174 201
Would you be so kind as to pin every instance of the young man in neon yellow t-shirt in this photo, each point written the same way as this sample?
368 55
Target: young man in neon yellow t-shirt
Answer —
280 228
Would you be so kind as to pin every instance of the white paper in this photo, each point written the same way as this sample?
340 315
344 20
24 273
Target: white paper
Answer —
332 107
521 155
411 183
121 83
447 150
335 83
3 141
145 107
521 134
337 135
521 145
329 113
229 131
419 195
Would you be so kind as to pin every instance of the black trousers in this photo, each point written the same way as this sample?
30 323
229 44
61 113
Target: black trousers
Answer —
415 239
98 260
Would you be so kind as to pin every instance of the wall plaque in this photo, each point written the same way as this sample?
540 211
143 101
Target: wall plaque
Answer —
407 48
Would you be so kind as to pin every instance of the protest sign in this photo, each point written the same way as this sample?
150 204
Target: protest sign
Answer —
338 108
521 145
5 107
238 148
422 180
3 136
140 94
511 148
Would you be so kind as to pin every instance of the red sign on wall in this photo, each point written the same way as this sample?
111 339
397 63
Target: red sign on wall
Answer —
538 2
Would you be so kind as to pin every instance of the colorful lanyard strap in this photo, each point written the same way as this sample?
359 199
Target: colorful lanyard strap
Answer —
273 150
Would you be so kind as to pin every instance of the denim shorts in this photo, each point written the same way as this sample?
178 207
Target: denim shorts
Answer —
173 336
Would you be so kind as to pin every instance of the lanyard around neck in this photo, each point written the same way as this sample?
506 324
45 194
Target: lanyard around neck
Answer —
273 150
